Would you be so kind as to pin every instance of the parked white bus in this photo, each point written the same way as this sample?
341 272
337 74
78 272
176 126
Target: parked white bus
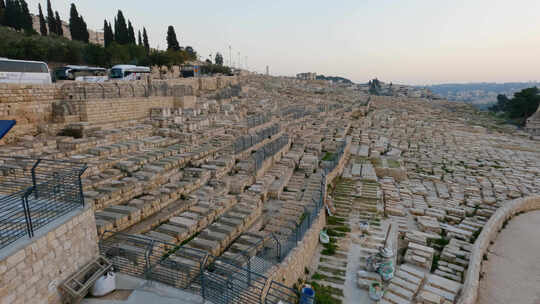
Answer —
81 73
24 72
128 72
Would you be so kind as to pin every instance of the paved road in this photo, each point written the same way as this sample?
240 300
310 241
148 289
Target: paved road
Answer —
512 272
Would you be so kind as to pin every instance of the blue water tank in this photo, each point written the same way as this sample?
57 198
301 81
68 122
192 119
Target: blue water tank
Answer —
307 296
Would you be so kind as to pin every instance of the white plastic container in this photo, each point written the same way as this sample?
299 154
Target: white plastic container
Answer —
104 285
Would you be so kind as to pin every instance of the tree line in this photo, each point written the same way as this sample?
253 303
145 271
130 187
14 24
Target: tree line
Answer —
520 107
122 43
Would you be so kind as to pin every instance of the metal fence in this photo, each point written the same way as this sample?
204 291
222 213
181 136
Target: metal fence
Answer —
269 150
245 142
216 280
332 164
34 193
257 120
220 280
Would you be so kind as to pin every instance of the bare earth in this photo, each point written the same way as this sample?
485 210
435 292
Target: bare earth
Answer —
512 272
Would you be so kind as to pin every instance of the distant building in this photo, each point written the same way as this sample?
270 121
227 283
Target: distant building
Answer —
93 36
306 76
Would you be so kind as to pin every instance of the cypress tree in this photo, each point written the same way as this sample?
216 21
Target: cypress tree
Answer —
131 34
42 22
172 41
74 23
26 18
2 12
108 35
140 39
121 35
77 26
145 40
58 25
83 30
51 22
13 14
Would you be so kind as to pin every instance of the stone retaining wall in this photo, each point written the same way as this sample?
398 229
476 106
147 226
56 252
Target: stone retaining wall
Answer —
32 105
105 111
294 265
490 231
32 273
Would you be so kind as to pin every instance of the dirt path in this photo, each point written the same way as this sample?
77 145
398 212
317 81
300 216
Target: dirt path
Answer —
512 272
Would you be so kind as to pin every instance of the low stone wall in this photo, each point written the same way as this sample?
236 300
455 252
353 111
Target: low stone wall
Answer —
32 106
32 270
469 293
294 265
105 111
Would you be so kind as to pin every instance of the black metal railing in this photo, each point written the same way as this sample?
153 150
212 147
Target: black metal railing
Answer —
35 192
220 280
216 280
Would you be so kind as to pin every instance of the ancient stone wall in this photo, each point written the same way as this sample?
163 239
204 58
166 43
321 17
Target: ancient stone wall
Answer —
33 273
489 232
105 111
294 265
30 105
34 106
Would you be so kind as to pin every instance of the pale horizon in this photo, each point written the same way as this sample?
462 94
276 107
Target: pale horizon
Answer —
420 42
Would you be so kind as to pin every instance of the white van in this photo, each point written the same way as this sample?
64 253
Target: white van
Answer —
128 72
24 72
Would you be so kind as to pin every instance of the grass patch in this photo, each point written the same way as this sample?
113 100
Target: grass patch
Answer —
332 220
330 248
326 294
342 229
392 163
376 162
328 156
435 262
334 233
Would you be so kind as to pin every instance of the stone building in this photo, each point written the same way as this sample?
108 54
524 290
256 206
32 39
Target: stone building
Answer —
307 76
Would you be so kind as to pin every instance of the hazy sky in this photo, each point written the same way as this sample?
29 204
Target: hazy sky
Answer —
404 41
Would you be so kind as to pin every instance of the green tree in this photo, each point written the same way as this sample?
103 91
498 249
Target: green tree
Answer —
13 14
145 40
172 41
83 29
108 35
51 22
139 41
2 12
501 105
26 18
58 25
74 23
520 107
191 54
219 59
131 34
121 35
42 22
